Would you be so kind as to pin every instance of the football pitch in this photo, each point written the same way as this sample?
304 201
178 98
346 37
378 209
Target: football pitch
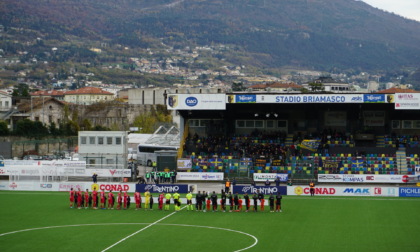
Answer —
43 221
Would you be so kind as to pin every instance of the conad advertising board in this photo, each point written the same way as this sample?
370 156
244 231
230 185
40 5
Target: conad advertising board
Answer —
345 191
203 176
363 178
259 177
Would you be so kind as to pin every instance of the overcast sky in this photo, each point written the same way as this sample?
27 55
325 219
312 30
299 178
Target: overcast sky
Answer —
405 8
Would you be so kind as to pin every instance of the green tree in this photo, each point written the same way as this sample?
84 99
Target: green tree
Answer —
30 129
21 90
238 86
149 121
316 87
4 130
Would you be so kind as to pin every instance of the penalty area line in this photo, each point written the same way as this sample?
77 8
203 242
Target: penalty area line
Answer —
146 227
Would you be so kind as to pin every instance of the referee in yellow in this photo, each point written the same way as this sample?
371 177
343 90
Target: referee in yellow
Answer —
168 197
147 200
177 202
189 201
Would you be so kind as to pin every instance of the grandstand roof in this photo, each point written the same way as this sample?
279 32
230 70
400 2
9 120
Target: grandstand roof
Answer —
165 136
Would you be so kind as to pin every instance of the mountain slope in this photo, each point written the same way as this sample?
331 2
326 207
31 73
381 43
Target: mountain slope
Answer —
319 34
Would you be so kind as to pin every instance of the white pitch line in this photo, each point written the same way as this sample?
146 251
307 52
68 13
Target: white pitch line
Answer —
163 224
125 238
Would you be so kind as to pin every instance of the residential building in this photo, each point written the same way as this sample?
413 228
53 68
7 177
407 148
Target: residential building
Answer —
87 96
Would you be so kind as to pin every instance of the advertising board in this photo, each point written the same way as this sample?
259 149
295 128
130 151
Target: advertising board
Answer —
363 178
313 98
184 163
162 188
203 176
345 191
256 189
196 101
260 177
407 101
409 191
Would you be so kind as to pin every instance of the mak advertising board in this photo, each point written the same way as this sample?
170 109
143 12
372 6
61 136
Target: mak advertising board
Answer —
196 102
344 191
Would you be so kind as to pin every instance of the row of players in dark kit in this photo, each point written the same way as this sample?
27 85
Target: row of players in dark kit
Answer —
204 201
235 202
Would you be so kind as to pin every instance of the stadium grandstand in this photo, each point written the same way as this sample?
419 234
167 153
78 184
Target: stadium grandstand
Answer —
301 135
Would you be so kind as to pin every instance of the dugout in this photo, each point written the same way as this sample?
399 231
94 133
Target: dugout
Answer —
166 160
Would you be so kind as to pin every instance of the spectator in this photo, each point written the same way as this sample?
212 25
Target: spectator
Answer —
95 178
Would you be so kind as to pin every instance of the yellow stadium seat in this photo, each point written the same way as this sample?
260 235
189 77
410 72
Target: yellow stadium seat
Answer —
376 172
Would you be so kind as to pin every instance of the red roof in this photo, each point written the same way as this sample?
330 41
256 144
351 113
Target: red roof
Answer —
88 90
258 86
48 93
395 90
284 85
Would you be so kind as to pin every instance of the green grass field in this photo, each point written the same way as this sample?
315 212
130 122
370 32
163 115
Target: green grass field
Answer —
41 221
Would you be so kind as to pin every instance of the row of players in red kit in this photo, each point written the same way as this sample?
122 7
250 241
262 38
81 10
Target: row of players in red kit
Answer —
88 200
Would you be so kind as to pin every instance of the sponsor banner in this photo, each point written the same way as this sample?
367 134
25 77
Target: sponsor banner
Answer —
1 163
374 98
344 191
67 186
364 178
259 177
184 163
246 98
62 163
314 98
162 188
407 101
205 176
8 163
116 173
63 171
409 192
116 187
196 101
256 189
